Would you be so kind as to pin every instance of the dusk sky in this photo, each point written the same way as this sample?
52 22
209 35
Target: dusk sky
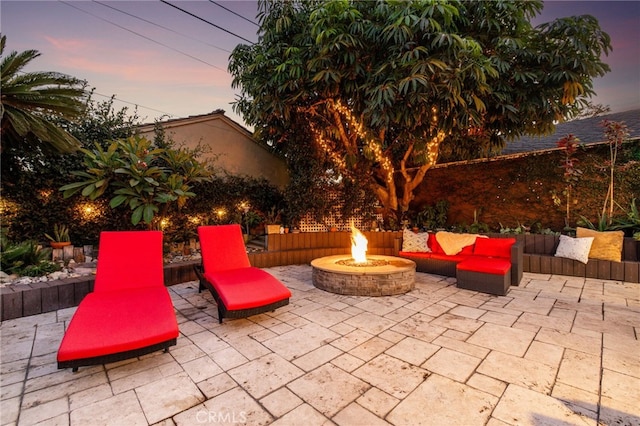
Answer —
176 64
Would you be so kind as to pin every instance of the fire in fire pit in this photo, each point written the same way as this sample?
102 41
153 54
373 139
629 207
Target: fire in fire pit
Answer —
362 275
359 246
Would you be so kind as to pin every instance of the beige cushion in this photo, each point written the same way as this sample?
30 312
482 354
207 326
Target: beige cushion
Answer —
574 248
412 242
606 245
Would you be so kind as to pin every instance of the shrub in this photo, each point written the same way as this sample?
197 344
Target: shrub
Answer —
25 258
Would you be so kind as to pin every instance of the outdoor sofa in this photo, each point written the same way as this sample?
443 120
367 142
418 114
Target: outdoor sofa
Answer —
481 263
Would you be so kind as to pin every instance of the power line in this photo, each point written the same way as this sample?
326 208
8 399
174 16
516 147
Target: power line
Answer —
161 26
114 97
137 105
143 36
237 14
204 20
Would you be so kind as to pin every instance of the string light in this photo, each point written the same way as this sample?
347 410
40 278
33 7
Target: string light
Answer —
327 148
164 223
88 211
372 144
196 220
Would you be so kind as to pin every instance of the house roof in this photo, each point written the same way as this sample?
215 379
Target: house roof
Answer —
588 130
218 114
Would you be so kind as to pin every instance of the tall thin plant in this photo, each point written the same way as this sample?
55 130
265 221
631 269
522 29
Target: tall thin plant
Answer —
570 143
616 132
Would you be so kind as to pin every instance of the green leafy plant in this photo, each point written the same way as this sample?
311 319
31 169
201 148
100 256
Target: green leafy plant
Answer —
42 268
60 233
520 229
602 224
477 226
273 216
630 223
139 176
25 258
251 219
434 217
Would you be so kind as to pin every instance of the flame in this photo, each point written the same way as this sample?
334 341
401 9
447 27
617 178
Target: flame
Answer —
358 245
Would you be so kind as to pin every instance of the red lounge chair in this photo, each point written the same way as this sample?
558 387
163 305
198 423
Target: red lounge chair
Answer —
129 313
240 290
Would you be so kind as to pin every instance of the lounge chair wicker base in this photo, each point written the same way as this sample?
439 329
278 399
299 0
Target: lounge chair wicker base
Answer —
120 356
223 312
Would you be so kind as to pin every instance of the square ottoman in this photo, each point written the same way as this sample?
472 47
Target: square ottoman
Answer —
487 275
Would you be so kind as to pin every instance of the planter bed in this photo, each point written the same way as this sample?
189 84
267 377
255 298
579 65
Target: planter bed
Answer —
282 249
30 299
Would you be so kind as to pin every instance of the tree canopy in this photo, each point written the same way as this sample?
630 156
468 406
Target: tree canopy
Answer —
30 100
385 87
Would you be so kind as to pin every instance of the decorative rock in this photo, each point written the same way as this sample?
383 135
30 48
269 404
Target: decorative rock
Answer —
84 271
57 275
74 270
4 276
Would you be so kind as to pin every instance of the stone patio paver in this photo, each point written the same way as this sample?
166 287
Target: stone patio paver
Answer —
556 351
504 339
328 389
440 400
520 406
179 394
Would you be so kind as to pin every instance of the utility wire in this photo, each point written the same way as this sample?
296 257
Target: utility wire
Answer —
161 26
137 105
237 14
143 36
204 20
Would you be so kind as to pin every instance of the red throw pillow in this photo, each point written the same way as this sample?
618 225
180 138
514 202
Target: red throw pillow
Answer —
468 250
433 244
494 247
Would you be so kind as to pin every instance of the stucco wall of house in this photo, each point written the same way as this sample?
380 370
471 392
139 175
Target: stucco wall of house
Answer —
229 144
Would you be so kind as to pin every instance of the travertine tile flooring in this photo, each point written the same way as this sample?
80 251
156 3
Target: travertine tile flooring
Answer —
555 351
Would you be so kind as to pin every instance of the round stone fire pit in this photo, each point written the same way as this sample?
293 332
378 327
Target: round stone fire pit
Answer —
380 276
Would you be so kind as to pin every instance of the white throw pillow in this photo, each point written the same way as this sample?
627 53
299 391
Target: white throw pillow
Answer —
412 242
574 248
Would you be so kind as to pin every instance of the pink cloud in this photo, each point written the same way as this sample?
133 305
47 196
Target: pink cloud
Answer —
106 61
68 45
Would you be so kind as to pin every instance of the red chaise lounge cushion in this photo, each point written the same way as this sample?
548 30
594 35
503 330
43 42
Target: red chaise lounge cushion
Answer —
129 311
113 322
247 288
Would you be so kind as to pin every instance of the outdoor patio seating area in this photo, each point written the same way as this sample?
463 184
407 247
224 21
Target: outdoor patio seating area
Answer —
557 350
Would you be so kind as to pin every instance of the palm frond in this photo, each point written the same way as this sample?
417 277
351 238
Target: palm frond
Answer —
30 99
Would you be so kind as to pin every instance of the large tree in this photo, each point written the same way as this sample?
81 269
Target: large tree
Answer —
381 86
30 102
